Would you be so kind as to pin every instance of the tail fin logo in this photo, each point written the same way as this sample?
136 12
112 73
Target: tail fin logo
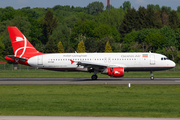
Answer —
18 39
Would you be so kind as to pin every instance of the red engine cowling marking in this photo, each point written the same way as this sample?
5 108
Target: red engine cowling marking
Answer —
116 71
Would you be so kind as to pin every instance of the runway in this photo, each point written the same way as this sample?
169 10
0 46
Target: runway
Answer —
88 81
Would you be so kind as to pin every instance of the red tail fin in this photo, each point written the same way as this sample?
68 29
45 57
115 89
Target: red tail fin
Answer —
21 46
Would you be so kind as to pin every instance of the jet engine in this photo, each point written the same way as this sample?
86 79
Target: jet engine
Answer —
116 71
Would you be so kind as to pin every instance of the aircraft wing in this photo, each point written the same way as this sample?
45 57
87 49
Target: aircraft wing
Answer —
91 64
96 66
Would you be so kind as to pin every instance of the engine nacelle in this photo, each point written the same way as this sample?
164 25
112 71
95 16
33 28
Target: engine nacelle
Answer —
116 71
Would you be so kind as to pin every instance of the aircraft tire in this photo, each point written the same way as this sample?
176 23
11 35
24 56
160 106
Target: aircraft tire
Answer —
94 77
152 77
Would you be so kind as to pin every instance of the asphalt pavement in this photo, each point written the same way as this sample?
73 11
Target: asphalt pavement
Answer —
88 81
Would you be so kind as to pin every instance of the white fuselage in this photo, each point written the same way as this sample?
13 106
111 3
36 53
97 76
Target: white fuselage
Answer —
129 61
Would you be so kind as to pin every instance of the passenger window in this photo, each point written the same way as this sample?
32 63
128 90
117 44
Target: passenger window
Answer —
161 58
164 58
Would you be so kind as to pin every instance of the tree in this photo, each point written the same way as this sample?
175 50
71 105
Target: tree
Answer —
7 13
141 18
95 8
91 44
178 38
128 23
165 18
158 21
2 48
70 21
104 30
84 28
170 36
108 47
113 17
126 5
142 34
23 24
171 52
173 20
49 25
70 50
40 47
35 31
178 9
155 7
60 47
81 47
102 43
130 37
166 9
50 46
150 18
157 40
109 7
62 33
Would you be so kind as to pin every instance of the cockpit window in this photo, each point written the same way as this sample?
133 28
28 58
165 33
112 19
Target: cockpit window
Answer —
164 58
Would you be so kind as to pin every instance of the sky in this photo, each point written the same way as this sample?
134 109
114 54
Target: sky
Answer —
83 3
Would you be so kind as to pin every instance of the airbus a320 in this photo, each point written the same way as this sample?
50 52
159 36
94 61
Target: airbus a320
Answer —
112 64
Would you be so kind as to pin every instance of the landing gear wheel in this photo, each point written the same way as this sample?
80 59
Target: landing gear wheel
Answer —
94 77
152 78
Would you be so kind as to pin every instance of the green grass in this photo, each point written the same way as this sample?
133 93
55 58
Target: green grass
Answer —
91 100
45 73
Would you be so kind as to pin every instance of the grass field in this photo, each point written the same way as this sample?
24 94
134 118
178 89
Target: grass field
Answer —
46 73
91 100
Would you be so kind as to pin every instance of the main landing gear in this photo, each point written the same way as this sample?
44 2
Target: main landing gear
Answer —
152 77
94 77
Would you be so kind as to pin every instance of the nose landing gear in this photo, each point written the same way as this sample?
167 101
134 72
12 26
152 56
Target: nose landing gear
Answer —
152 77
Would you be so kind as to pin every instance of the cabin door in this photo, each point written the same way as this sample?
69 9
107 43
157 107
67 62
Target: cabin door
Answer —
40 60
152 59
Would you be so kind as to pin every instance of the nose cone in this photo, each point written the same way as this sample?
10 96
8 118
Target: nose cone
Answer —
173 64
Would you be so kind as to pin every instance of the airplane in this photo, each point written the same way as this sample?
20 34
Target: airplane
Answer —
112 64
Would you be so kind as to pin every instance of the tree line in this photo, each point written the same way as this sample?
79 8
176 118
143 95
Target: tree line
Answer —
94 28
